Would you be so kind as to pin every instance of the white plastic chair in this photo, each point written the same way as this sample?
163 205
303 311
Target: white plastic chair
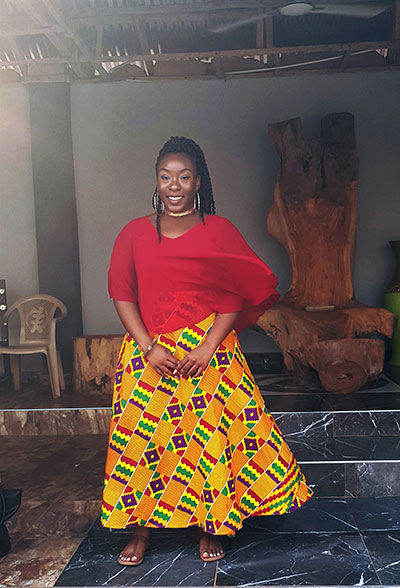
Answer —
38 315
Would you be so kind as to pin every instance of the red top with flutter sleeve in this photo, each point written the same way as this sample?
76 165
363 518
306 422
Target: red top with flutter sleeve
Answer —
182 280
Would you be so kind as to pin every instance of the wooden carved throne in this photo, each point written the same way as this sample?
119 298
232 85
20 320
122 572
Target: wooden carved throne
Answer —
319 325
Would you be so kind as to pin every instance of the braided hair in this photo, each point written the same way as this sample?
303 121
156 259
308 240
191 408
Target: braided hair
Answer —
192 150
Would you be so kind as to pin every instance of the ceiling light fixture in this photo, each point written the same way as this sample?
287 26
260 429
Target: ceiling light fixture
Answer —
296 9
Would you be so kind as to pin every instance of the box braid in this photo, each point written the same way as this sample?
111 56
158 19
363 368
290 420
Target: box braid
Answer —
192 150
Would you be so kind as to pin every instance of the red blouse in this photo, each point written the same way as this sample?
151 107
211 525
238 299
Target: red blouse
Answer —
181 280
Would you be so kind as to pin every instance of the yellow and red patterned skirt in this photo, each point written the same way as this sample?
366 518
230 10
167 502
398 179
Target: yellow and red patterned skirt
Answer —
195 451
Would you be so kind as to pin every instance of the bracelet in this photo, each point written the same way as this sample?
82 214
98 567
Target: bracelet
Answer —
149 347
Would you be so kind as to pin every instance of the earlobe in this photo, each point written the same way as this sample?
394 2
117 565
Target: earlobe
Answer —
197 183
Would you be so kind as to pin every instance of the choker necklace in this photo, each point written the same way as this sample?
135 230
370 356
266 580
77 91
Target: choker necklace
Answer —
180 213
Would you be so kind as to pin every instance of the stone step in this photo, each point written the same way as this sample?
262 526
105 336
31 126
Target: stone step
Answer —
335 463
316 426
282 394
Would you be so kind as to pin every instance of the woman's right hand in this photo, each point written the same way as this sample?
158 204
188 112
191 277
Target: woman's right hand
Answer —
163 362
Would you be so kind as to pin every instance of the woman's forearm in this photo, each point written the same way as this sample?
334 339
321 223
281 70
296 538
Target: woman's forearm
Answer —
222 325
130 317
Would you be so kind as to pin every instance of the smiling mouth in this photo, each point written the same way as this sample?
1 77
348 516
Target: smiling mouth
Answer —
175 198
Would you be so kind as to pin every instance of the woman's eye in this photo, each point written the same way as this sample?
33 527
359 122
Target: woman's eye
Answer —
164 177
185 177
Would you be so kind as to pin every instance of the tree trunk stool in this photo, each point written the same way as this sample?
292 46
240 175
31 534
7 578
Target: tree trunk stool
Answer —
94 362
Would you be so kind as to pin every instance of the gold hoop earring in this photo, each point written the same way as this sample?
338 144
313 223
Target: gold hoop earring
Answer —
154 199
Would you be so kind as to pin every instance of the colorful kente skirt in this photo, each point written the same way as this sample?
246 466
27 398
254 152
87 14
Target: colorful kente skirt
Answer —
199 452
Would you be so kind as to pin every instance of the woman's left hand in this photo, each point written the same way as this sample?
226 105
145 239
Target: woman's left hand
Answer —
196 361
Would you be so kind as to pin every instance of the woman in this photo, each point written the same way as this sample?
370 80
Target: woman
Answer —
191 442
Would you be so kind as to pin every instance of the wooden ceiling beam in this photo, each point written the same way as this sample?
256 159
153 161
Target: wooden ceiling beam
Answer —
32 9
143 43
99 36
309 49
175 10
15 49
273 60
28 31
260 30
68 30
53 33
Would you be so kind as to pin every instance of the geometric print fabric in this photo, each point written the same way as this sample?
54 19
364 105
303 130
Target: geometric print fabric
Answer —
194 451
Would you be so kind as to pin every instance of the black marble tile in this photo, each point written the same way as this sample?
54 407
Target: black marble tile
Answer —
376 514
326 479
372 479
296 560
310 435
313 445
384 551
374 448
367 423
319 544
171 560
318 515
323 402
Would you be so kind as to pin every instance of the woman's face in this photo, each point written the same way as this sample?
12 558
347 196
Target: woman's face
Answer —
177 182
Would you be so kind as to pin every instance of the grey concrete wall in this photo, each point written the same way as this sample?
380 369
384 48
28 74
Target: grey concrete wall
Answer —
18 255
55 206
118 128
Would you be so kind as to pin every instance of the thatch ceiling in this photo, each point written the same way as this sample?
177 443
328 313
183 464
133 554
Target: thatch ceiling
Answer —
129 39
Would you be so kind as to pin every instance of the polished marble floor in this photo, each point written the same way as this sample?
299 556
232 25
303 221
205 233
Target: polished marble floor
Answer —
328 542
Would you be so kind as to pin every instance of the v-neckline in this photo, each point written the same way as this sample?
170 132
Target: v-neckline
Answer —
179 236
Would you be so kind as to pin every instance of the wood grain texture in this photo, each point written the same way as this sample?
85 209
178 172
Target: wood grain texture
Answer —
94 361
314 217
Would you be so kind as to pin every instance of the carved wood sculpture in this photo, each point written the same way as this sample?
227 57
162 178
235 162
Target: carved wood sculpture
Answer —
314 217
